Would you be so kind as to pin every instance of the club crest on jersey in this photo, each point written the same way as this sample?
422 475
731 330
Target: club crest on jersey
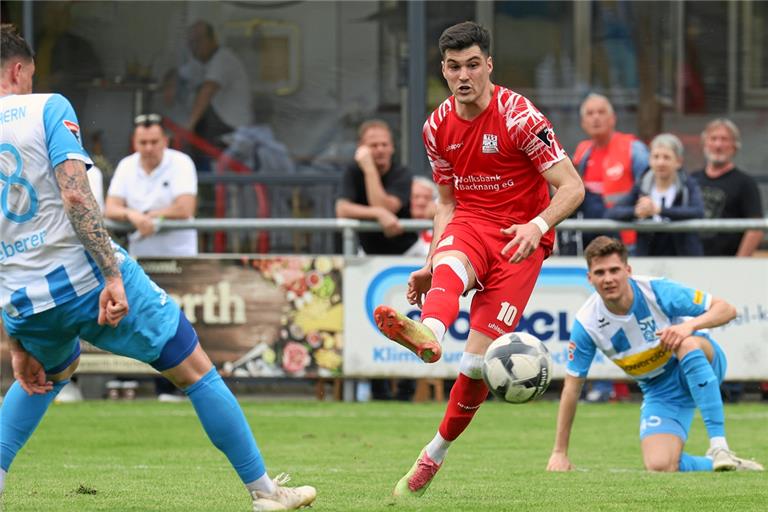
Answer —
648 326
74 128
490 143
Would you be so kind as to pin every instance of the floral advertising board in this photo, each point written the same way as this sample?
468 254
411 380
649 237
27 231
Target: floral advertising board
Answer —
261 316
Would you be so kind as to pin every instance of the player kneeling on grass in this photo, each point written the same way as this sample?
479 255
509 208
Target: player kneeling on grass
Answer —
652 328
71 281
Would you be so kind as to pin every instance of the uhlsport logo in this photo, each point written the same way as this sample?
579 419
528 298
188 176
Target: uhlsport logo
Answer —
546 324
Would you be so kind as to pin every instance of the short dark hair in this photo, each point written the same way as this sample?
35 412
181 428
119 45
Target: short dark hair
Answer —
207 28
605 246
12 45
464 35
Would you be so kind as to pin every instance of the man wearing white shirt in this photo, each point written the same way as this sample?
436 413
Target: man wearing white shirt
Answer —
153 184
223 99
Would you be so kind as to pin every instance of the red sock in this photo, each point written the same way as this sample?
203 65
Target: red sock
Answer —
442 301
467 395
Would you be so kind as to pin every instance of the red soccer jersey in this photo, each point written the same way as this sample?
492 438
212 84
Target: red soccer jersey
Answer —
494 161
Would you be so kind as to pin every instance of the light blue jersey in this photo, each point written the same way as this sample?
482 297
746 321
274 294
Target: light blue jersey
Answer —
49 284
42 262
630 340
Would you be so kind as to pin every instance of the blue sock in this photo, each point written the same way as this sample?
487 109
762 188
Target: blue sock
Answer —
19 416
225 424
705 390
693 463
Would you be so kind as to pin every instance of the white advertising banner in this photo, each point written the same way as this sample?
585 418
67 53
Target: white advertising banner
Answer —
560 291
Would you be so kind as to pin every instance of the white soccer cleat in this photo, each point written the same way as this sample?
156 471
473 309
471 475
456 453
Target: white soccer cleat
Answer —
726 460
284 498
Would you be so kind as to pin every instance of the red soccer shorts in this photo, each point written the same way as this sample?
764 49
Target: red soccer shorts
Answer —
502 289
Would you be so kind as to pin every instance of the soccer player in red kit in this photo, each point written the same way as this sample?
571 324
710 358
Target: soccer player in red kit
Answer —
494 157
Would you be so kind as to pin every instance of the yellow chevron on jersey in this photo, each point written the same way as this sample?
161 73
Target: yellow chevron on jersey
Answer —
644 362
630 340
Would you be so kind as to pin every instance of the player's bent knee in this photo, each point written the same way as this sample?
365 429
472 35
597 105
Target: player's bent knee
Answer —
191 370
661 465
692 343
66 372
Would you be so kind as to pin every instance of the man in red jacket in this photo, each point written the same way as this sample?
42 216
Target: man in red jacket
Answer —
609 161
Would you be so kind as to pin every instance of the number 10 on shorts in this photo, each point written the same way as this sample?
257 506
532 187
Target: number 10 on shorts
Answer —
507 313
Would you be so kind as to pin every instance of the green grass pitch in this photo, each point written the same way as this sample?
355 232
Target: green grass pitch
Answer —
145 456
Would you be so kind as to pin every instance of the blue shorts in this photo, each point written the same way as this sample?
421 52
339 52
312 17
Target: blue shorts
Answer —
53 336
668 406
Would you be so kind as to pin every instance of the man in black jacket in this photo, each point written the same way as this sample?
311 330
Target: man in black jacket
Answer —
374 188
728 192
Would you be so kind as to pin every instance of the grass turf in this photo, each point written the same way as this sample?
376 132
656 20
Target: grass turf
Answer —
144 456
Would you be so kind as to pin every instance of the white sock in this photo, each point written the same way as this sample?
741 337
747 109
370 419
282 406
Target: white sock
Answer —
436 326
437 448
263 484
2 480
718 442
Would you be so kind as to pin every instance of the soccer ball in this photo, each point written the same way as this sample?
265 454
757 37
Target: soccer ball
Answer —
517 368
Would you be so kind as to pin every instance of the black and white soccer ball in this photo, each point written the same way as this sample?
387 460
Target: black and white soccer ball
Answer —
517 368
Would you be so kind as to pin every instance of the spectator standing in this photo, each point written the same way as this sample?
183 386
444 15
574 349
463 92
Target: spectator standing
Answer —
153 184
728 192
609 162
223 100
665 192
375 188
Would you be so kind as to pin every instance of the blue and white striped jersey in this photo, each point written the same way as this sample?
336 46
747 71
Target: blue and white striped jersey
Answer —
630 341
42 262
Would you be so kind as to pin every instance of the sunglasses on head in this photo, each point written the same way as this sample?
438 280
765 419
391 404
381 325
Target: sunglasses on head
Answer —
147 120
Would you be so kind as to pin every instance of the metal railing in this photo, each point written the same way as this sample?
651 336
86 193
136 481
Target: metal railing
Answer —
349 227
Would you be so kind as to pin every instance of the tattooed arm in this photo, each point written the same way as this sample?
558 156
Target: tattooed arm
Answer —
85 216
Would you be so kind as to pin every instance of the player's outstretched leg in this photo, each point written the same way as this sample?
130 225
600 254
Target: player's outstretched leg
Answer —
467 395
19 416
227 428
441 307
414 336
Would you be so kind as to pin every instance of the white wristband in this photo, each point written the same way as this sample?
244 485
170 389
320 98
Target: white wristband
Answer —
541 224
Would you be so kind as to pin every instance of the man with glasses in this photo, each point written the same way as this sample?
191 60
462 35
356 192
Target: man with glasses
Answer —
153 184
62 278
